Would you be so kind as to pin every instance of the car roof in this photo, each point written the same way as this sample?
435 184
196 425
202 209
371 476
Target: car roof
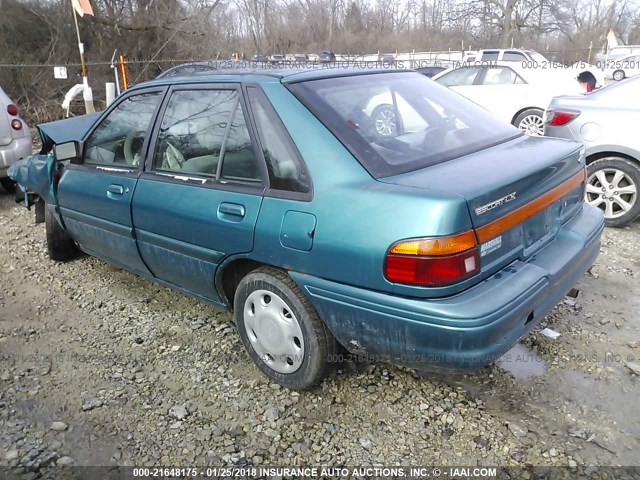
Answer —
628 55
486 63
267 75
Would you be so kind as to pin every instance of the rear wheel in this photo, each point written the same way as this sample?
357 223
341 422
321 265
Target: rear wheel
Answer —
281 330
612 186
8 184
384 120
530 122
618 75
59 245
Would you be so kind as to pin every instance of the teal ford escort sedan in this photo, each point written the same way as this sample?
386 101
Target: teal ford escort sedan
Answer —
371 211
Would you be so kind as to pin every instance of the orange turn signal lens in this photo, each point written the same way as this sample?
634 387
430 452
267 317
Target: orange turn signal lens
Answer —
436 246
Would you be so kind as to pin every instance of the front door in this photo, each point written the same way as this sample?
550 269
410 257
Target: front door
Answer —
95 196
199 198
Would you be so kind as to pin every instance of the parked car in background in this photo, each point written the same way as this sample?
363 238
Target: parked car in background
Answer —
436 248
619 69
326 56
618 52
513 93
278 58
530 59
605 122
258 57
15 138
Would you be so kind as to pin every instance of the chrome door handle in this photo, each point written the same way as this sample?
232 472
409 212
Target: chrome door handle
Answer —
116 189
232 209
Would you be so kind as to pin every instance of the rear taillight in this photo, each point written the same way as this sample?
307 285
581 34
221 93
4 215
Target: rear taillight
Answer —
557 118
433 262
16 124
12 110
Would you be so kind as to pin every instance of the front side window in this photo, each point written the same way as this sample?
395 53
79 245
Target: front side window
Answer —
399 122
459 77
204 132
119 138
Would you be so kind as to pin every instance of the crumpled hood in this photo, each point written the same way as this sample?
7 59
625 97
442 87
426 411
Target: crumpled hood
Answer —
66 130
35 174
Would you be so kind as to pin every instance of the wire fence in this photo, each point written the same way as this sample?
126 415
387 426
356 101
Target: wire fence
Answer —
39 94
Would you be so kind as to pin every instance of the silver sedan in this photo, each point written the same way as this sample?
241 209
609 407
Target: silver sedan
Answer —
606 122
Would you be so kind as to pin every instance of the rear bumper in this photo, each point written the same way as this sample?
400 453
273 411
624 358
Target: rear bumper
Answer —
468 330
9 154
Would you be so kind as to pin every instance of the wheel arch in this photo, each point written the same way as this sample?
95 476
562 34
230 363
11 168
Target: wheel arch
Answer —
522 110
610 153
229 275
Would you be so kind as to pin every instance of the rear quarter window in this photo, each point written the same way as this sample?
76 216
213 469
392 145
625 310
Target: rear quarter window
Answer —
399 122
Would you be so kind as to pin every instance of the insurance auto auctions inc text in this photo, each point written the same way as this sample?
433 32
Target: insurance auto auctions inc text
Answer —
380 472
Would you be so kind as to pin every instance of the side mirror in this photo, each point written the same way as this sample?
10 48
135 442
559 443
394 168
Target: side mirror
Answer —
68 151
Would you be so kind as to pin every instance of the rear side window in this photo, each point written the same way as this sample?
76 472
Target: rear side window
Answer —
204 132
490 56
286 169
499 76
459 77
513 57
399 122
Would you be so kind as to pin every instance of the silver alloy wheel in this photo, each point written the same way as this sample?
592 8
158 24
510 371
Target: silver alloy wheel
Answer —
532 125
612 191
386 122
618 75
274 331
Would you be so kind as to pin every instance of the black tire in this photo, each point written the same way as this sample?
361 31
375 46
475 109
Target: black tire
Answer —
526 119
609 200
618 75
59 245
318 343
8 184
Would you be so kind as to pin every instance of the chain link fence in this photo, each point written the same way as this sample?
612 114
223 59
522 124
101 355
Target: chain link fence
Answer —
39 94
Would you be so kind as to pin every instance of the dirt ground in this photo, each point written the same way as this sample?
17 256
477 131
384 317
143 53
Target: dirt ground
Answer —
100 367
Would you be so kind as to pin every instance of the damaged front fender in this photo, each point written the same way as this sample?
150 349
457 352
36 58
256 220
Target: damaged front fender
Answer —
35 174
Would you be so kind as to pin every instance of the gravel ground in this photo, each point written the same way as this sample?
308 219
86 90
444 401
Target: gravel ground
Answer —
100 367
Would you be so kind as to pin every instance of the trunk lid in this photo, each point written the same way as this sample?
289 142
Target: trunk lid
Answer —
518 193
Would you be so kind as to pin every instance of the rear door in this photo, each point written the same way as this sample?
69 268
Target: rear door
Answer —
95 196
502 91
198 200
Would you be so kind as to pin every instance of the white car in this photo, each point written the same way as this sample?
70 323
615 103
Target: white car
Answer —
513 93
531 59
622 68
15 139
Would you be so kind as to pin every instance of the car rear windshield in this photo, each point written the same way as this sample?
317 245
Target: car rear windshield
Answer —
401 121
